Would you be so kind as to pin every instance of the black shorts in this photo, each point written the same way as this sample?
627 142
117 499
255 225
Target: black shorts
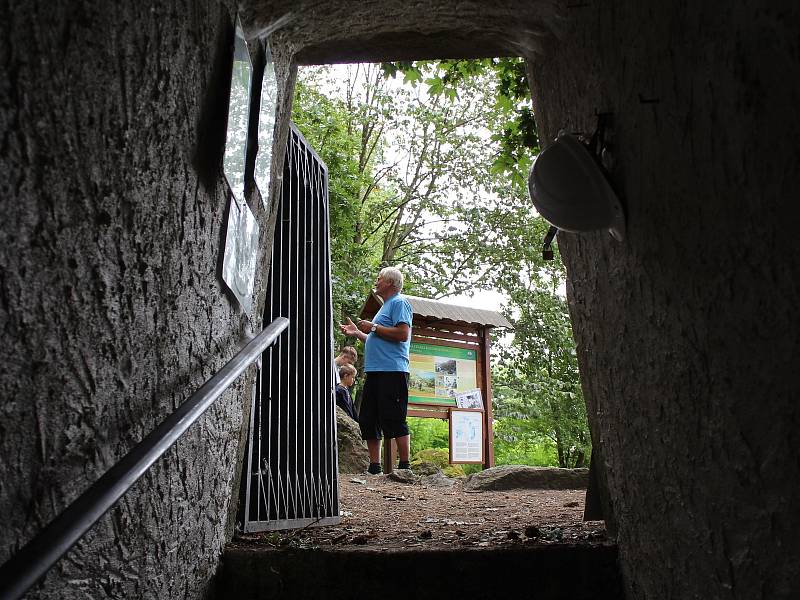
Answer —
384 405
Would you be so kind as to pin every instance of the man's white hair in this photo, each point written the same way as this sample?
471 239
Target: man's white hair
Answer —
393 275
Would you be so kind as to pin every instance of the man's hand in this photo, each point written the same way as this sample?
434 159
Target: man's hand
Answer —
349 328
354 330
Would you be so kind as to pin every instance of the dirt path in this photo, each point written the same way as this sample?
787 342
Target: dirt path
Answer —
381 513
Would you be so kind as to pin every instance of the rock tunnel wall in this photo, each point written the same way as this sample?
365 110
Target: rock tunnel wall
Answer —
687 331
111 135
112 129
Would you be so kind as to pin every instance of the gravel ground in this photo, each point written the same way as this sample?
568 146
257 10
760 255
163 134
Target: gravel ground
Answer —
381 513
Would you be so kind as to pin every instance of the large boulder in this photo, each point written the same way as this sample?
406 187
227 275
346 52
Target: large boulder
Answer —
437 480
353 455
513 477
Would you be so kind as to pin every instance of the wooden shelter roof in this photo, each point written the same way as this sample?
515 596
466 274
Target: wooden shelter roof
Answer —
441 311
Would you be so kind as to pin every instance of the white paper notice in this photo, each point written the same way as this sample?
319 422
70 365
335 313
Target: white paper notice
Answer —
467 436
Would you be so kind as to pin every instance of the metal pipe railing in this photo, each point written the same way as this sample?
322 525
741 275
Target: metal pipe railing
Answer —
25 568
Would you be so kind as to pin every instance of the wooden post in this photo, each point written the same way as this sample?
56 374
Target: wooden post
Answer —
486 382
389 454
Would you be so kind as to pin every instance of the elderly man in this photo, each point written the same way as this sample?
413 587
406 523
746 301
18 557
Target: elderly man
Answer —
387 340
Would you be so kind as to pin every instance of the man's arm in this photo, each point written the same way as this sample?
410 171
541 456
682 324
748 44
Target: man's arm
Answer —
395 333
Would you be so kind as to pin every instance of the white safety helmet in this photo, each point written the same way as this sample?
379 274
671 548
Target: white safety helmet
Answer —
570 191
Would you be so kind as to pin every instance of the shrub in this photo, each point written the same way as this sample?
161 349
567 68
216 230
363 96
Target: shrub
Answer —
427 462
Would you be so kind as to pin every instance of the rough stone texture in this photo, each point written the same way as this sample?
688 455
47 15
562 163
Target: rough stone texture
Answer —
353 456
437 480
513 477
403 476
111 132
112 126
687 331
374 30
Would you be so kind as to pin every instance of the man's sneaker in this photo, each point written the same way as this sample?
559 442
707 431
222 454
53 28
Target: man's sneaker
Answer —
404 464
374 469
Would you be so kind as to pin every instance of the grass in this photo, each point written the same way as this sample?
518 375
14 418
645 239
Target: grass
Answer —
508 450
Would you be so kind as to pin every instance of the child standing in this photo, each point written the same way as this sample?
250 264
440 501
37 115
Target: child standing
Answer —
347 375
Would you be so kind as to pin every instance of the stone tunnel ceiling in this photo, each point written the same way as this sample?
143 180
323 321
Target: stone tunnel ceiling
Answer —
374 30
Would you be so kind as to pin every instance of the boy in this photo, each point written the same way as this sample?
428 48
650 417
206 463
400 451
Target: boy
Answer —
347 375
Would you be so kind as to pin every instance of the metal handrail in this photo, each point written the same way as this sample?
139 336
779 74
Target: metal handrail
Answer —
24 569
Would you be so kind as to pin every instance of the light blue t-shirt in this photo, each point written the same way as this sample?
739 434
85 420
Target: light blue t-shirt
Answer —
384 355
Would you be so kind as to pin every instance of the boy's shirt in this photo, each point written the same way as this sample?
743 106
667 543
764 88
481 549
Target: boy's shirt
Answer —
344 401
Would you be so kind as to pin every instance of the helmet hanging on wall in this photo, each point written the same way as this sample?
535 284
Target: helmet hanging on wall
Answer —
569 189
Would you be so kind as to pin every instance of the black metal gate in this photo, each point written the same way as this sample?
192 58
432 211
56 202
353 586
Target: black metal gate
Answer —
291 471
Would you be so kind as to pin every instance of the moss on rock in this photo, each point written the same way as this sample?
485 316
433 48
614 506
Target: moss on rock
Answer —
433 460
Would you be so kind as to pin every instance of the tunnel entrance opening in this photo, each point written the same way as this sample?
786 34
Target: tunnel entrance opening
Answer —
408 167
418 178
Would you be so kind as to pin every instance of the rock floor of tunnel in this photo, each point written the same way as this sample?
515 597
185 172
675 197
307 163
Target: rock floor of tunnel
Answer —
382 514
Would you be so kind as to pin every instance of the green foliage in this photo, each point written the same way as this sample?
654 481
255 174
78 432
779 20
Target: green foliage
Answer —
410 176
427 461
428 433
328 125
521 442
512 117
537 381
470 469
431 176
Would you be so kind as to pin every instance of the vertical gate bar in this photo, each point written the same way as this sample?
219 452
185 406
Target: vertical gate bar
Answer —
258 416
284 361
297 333
322 429
298 394
249 464
277 369
295 307
273 491
311 358
301 397
331 421
320 358
306 507
285 374
322 336
310 282
327 364
270 371
277 373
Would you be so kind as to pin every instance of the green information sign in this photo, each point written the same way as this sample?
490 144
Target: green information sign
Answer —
438 373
